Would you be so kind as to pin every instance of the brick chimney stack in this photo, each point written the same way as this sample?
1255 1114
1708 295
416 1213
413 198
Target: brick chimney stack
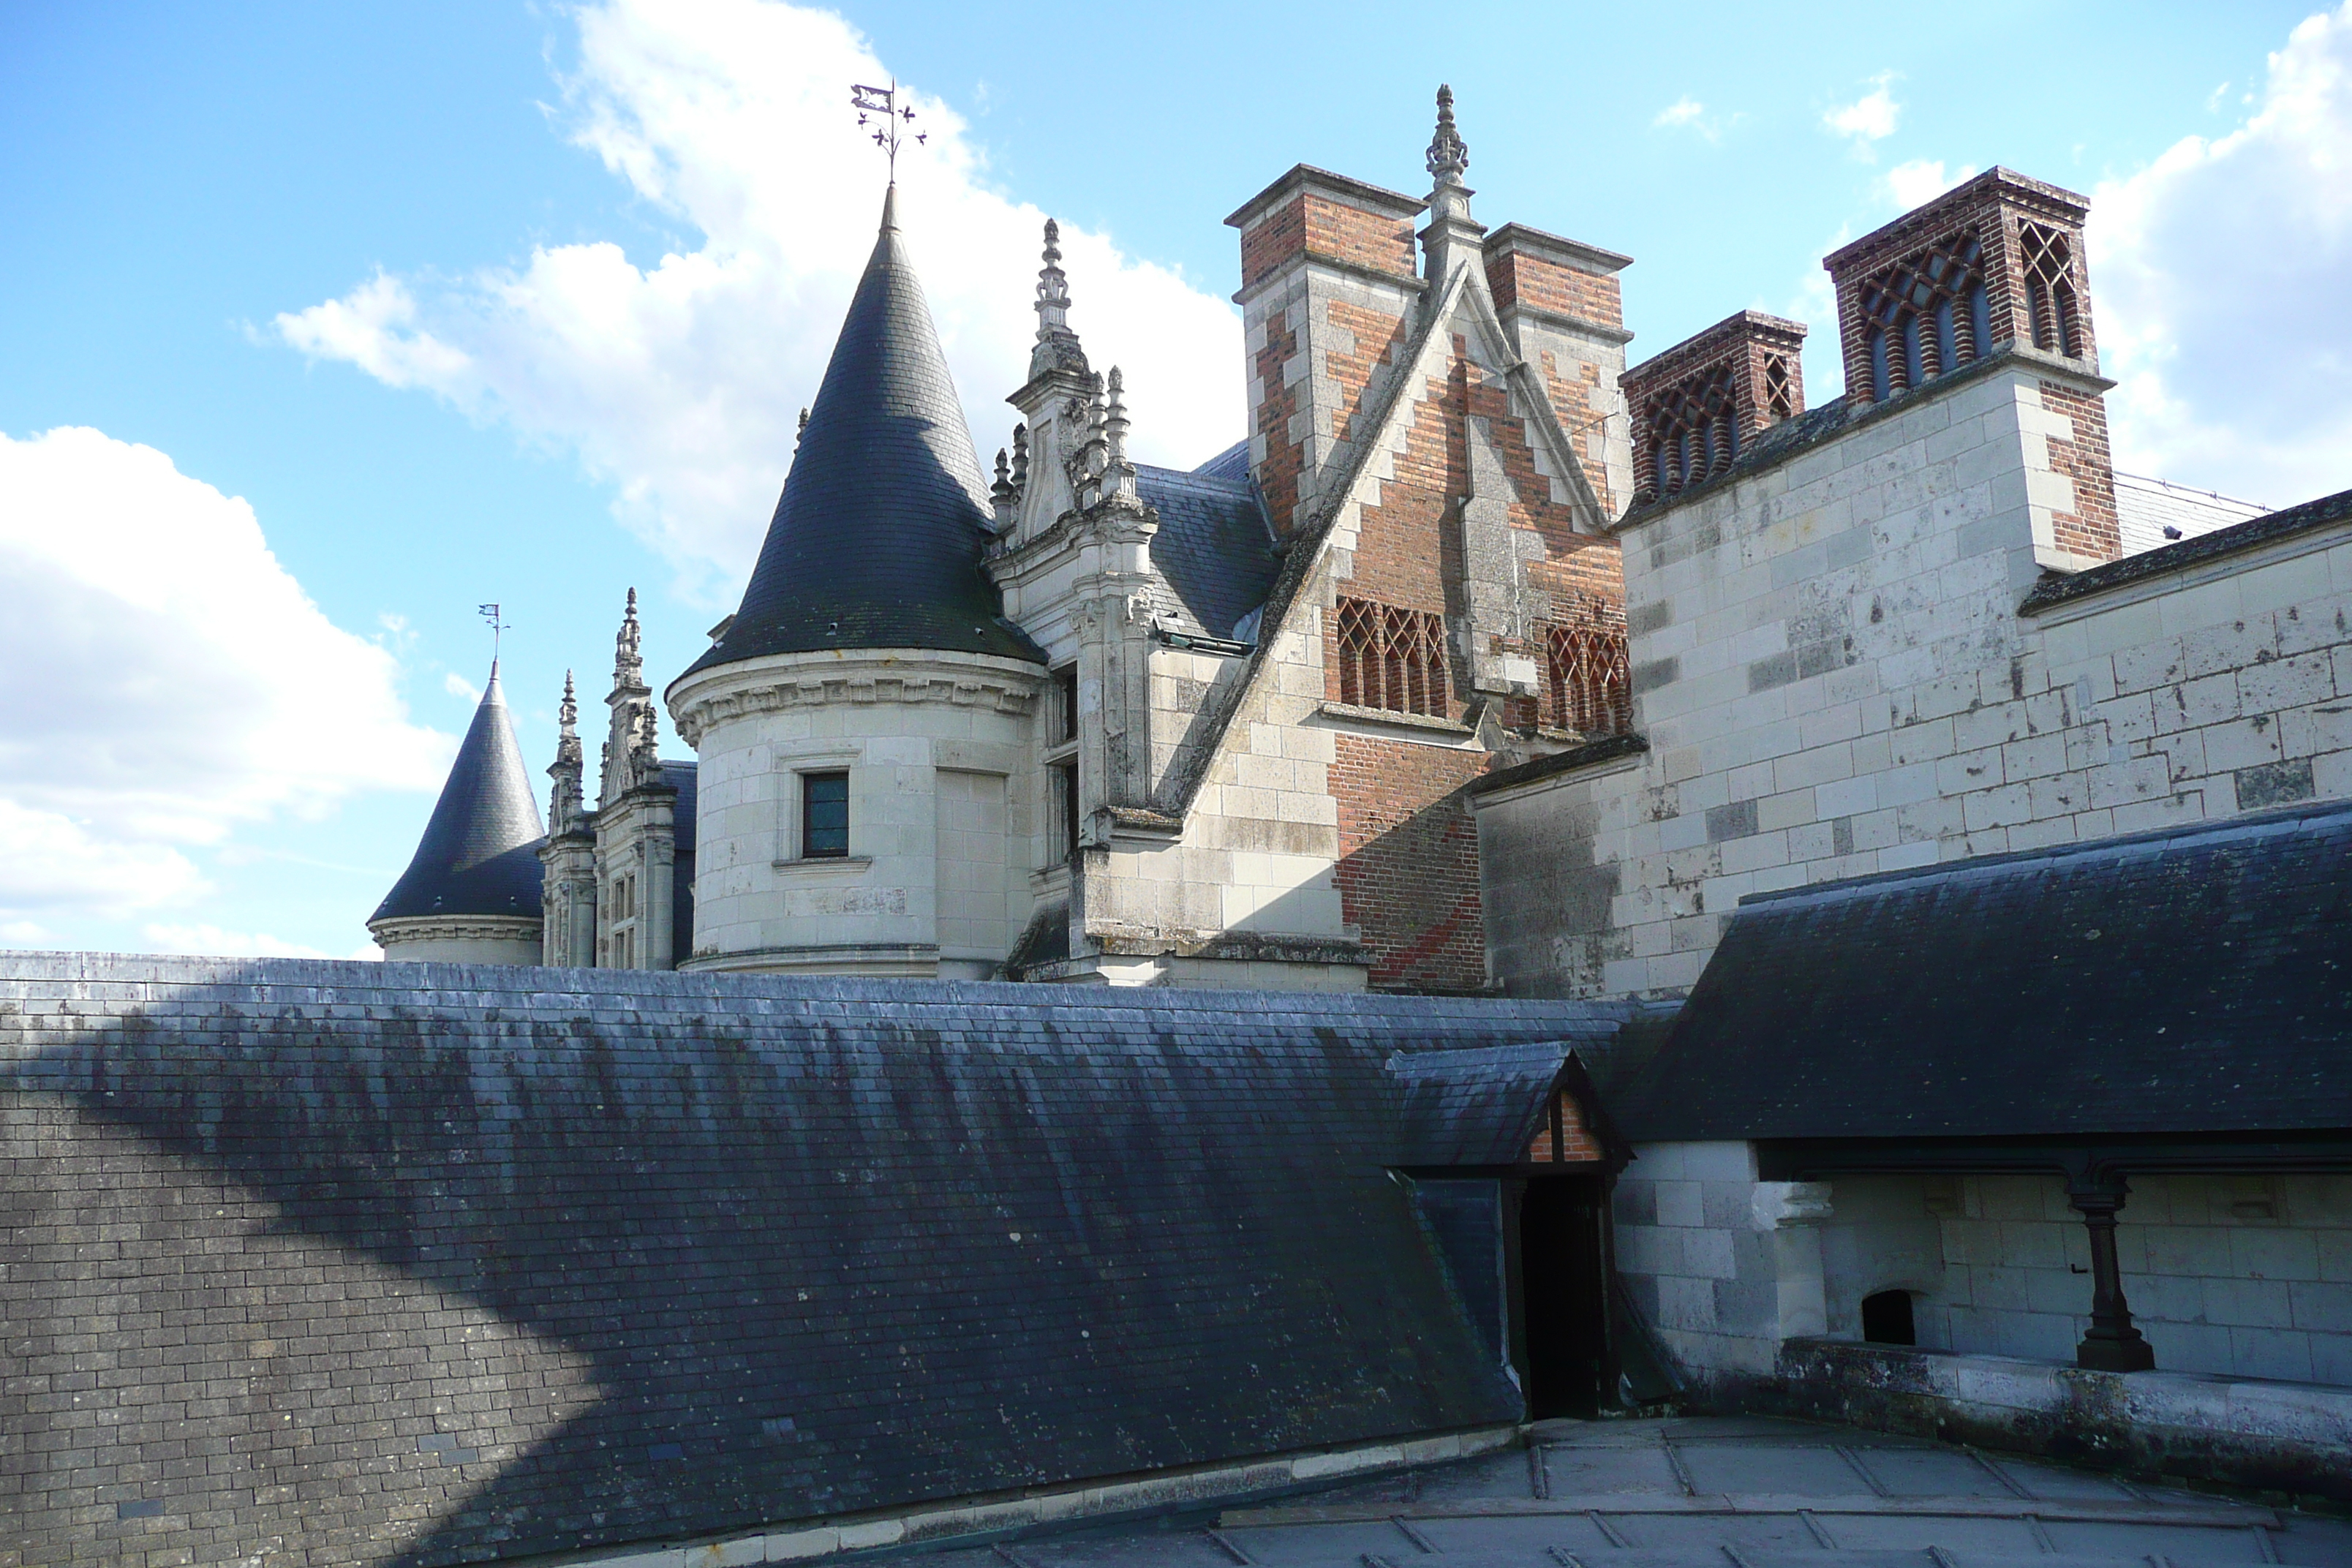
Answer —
1994 266
1329 282
1696 407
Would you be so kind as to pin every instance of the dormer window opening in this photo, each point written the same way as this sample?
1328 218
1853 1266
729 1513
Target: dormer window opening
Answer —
1066 704
1391 658
1928 313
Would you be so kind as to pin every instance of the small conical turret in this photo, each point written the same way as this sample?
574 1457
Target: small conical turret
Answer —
479 855
877 538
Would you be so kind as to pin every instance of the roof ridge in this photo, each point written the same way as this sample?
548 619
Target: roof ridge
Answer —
2249 824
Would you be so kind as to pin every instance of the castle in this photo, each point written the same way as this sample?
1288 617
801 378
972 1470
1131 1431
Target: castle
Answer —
1895 875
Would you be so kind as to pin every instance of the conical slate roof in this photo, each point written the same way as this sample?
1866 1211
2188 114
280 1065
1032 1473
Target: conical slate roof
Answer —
479 855
876 539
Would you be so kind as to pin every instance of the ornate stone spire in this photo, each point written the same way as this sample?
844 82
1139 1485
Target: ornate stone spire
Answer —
628 669
633 705
565 806
1449 155
1057 347
1451 243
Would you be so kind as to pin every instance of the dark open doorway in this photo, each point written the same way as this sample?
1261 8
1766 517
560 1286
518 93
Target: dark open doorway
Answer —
1561 1329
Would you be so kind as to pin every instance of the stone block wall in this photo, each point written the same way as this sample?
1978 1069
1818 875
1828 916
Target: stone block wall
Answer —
2237 1276
1835 677
2240 1276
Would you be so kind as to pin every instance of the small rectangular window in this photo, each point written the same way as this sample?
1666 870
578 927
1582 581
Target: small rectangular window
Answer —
824 815
1066 703
1065 800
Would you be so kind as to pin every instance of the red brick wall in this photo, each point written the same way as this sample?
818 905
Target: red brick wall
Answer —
2092 528
1518 279
1285 460
1577 1142
1407 871
1314 224
1379 335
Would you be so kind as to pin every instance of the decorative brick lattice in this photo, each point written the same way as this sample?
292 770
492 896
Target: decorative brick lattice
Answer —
1928 313
1391 658
1588 679
1698 405
1995 261
1693 434
2053 309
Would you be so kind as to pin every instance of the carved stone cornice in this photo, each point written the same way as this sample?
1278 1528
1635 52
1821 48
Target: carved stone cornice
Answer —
391 933
727 693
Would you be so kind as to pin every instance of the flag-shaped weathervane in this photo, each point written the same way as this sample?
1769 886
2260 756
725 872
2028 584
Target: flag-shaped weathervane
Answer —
896 121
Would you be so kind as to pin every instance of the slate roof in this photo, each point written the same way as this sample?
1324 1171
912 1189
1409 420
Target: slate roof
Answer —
1483 1106
808 1246
2057 588
2193 981
479 855
1214 551
875 541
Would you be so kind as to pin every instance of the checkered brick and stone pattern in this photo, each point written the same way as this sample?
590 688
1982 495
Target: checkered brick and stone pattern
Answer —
311 1263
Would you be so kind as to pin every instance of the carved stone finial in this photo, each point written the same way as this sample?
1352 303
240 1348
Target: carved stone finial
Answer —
1021 457
1053 286
803 428
1057 347
626 663
567 715
1449 155
1115 421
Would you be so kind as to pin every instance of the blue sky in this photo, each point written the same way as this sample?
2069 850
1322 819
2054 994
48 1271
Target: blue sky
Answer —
419 306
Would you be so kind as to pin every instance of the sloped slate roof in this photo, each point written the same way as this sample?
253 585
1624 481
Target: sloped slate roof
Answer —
815 1246
2193 981
875 541
1482 1106
479 855
1213 553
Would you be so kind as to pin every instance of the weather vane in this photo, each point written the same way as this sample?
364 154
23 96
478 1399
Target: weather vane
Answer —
498 626
897 121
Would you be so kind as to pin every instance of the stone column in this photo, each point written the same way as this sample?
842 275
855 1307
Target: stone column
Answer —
2112 1345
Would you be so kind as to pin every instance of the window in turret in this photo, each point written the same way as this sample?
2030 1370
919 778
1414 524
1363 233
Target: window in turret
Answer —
824 815
1066 703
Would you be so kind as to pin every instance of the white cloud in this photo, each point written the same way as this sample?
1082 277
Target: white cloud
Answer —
1922 180
457 684
186 684
1869 118
2221 289
1689 112
679 380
